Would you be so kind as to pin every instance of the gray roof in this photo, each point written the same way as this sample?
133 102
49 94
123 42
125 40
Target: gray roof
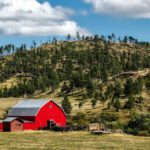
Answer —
31 103
10 119
28 107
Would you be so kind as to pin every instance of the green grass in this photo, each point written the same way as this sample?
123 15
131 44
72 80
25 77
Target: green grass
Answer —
71 141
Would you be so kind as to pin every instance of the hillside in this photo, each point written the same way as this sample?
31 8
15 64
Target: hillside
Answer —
99 76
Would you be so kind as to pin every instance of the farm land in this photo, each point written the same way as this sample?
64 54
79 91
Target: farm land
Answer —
71 141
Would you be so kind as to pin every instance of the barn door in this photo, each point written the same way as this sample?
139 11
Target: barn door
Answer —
50 124
6 126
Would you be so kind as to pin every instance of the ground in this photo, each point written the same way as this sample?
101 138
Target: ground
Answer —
71 141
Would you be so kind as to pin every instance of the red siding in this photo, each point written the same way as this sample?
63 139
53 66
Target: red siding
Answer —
29 126
16 125
1 126
50 111
53 112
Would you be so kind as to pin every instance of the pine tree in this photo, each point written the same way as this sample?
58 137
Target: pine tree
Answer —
80 104
68 37
93 101
117 104
117 90
78 35
66 105
128 87
130 103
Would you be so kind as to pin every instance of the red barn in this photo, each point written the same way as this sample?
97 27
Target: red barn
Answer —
1 125
34 115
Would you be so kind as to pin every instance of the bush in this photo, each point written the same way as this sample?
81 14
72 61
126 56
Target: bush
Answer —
80 119
139 125
143 133
70 128
139 99
115 125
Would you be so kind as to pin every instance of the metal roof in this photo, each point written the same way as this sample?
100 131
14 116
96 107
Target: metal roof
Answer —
10 119
23 112
31 103
28 107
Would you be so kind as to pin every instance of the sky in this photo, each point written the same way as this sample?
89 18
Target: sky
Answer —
22 21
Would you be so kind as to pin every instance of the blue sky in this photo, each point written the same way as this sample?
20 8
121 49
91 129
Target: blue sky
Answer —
63 16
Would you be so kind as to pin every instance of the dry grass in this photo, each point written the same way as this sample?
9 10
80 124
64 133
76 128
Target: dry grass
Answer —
9 83
6 103
71 141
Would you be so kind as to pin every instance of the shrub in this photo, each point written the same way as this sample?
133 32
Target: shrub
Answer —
139 125
139 99
115 125
143 133
80 119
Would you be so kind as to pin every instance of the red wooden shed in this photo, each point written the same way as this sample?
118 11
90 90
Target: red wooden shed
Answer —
34 115
12 124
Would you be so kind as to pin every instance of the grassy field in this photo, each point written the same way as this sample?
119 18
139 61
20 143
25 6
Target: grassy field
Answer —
71 141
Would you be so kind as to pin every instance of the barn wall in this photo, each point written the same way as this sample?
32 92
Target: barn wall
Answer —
1 126
16 125
29 126
50 112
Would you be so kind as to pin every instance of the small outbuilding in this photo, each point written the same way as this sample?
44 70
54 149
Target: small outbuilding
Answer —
33 115
12 124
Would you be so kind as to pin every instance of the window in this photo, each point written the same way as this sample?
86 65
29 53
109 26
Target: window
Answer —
18 124
50 106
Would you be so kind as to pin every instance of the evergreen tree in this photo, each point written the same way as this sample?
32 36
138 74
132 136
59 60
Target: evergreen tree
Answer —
93 101
117 104
128 87
78 35
80 104
68 37
66 105
117 90
130 103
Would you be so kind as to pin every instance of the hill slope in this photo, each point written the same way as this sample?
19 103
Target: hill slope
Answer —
98 76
